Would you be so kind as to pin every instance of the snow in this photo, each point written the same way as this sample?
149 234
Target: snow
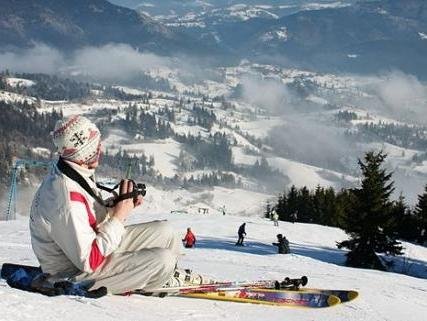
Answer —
15 82
383 295
306 175
131 91
241 158
423 36
43 152
261 127
245 12
191 24
421 168
321 6
10 97
279 34
189 130
165 152
317 100
70 108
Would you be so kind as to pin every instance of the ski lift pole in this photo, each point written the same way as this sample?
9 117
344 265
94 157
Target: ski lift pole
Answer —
11 208
129 171
18 164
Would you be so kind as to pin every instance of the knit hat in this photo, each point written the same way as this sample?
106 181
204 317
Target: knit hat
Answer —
77 139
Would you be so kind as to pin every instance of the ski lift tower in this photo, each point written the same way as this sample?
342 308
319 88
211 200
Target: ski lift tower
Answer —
20 164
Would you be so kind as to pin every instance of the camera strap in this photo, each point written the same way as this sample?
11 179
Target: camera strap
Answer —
71 173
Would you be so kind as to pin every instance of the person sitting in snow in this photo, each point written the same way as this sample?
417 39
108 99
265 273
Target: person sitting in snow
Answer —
282 244
189 239
76 238
241 233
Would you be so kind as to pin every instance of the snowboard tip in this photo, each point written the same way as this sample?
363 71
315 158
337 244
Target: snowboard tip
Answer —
352 295
333 300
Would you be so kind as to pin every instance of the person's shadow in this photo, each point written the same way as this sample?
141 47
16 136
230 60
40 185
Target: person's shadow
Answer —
325 254
413 267
249 246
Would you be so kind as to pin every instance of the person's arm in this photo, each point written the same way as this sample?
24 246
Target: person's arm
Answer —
84 243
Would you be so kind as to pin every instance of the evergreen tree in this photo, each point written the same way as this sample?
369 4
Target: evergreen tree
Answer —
281 207
292 202
305 207
268 210
370 221
421 216
406 221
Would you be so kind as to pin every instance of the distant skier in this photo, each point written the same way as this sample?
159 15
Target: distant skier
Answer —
275 218
76 237
282 244
189 239
241 233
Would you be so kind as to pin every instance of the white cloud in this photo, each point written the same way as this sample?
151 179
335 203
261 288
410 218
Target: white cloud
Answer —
403 95
115 61
40 58
267 93
109 62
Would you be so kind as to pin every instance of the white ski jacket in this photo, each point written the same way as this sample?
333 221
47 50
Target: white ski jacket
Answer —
70 232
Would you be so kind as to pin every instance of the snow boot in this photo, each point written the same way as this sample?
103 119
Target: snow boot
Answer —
185 277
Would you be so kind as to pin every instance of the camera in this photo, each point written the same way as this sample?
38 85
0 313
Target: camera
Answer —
140 189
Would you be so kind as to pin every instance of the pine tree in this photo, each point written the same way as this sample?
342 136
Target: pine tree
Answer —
370 221
268 209
406 220
421 216
292 202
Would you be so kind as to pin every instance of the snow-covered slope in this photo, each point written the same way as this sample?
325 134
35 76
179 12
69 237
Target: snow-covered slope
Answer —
286 115
383 296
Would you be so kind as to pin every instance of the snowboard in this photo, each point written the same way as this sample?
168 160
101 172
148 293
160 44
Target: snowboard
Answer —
260 292
343 295
8 269
269 297
31 278
266 292
288 285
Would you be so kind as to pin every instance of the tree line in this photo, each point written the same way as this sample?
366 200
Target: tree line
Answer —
47 87
374 222
402 135
21 128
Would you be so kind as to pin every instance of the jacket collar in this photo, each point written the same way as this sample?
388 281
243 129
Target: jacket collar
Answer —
86 173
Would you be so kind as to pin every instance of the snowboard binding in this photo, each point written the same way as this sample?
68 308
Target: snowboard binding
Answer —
291 284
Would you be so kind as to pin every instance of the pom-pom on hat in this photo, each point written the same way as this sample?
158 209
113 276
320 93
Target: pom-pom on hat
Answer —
77 139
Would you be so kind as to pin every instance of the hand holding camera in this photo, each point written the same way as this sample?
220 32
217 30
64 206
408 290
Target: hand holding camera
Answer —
131 195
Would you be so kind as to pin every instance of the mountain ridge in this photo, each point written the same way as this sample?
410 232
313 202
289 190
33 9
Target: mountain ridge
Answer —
69 25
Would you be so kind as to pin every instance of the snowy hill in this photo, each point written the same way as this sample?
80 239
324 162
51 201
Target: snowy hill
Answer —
296 128
313 254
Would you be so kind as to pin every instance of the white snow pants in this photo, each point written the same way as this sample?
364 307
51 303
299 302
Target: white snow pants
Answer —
145 259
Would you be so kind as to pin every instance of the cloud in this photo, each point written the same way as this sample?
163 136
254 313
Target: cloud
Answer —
402 95
313 142
270 94
38 59
115 61
112 62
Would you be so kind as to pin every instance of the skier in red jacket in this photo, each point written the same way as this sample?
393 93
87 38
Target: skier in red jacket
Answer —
189 239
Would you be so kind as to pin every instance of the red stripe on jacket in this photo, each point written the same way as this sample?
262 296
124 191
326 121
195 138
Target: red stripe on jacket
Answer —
95 257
